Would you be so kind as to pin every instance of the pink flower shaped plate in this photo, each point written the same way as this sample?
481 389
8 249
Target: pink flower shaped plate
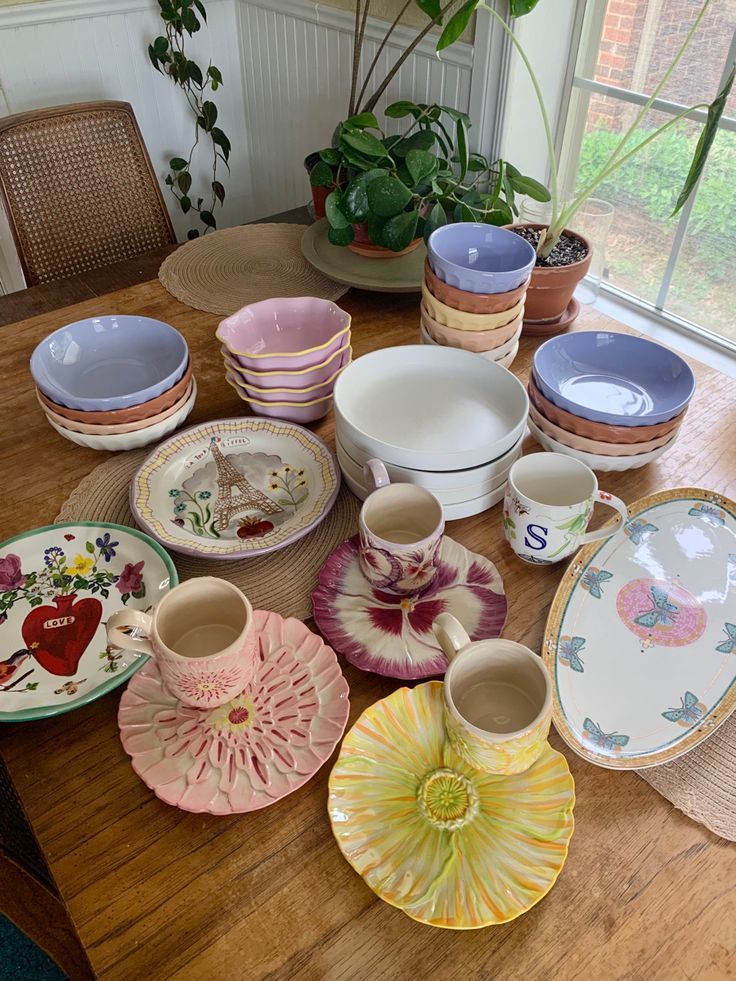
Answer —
255 749
392 635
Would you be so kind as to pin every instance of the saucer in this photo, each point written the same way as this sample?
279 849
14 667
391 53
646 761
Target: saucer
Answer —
255 749
392 635
449 845
546 328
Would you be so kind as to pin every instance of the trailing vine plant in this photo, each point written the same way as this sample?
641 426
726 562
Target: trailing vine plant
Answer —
168 56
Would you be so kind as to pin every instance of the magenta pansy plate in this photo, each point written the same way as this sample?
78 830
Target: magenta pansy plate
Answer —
392 635
253 750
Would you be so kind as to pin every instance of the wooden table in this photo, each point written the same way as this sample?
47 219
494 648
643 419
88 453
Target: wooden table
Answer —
155 893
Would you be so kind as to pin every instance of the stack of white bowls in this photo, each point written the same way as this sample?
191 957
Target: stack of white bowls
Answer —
443 419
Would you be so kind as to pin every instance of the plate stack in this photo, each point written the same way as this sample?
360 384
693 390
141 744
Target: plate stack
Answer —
475 282
283 356
439 418
612 400
114 383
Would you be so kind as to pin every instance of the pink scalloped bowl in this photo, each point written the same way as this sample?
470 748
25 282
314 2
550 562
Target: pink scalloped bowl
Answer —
303 378
478 341
283 394
301 412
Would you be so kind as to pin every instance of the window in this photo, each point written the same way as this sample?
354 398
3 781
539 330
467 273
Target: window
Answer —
683 267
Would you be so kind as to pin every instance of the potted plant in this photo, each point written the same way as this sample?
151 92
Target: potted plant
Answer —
563 254
389 191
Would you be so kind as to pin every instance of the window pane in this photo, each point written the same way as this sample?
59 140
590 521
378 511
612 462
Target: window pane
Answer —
702 287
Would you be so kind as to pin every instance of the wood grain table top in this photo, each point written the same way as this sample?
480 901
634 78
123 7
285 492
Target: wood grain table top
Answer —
157 893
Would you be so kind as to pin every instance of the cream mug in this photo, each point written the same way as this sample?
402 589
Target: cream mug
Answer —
201 635
498 699
401 528
547 505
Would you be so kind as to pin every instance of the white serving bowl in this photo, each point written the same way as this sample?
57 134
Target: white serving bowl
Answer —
605 464
451 512
430 408
133 440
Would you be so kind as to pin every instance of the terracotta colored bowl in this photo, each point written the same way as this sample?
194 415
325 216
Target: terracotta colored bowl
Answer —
468 321
599 430
127 427
472 302
477 341
594 445
134 413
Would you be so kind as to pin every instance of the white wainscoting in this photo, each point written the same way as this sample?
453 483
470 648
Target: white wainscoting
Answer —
286 67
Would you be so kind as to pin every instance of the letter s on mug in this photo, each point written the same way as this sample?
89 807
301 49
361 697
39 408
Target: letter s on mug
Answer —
539 542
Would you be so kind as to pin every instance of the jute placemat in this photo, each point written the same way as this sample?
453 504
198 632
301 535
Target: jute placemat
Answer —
224 271
282 581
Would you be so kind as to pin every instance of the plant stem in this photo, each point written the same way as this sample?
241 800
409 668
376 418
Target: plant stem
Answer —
356 59
381 46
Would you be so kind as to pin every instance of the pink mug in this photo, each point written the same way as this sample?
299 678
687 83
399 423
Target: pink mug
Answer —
201 635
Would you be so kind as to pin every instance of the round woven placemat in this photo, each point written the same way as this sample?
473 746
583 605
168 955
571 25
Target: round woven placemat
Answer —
224 271
282 581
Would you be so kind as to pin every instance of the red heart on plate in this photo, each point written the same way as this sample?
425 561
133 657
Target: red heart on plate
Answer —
59 635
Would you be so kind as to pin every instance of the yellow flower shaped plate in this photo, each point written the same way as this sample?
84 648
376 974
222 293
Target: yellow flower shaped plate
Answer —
449 845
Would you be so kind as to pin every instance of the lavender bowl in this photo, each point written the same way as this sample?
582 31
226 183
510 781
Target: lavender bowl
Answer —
292 333
106 363
480 258
613 378
303 378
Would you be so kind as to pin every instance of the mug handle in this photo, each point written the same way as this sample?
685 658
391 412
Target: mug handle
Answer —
129 618
611 501
376 474
450 634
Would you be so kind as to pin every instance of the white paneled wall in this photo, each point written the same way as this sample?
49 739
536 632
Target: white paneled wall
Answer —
286 67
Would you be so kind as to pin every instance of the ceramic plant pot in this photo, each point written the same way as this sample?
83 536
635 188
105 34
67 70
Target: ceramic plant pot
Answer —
319 194
362 245
551 288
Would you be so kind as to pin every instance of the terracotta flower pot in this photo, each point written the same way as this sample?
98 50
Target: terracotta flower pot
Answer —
319 194
551 287
362 245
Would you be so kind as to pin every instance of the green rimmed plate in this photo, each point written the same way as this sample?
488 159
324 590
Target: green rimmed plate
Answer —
58 585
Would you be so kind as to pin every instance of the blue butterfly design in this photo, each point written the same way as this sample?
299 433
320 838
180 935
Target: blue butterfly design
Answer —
732 567
569 650
728 646
637 530
708 513
592 581
689 711
663 612
605 740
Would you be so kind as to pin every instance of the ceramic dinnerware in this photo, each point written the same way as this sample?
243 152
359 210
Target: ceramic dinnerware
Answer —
505 360
480 258
430 408
449 845
604 464
468 321
456 502
613 378
548 504
129 427
233 488
285 332
55 657
301 378
392 635
472 302
299 412
641 636
262 745
107 363
599 430
596 446
308 394
478 341
201 635
498 700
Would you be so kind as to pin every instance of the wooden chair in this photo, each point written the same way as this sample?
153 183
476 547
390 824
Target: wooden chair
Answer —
78 189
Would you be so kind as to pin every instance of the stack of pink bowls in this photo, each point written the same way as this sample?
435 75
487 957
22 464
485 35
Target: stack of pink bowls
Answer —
475 282
283 356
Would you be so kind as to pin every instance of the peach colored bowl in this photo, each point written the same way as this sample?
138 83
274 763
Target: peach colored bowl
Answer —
467 321
127 427
599 430
593 445
134 413
477 341
472 302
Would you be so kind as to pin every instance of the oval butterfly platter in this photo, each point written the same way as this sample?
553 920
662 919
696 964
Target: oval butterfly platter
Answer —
641 636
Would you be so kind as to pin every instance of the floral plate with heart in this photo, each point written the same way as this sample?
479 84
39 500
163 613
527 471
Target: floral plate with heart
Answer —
450 845
235 488
58 586
255 749
392 635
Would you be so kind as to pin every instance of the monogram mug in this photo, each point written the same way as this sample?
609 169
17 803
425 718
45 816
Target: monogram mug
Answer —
498 699
201 635
547 505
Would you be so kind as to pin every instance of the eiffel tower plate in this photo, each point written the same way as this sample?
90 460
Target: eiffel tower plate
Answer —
235 488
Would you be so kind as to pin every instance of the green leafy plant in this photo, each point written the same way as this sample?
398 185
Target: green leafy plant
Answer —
404 186
168 56
623 151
